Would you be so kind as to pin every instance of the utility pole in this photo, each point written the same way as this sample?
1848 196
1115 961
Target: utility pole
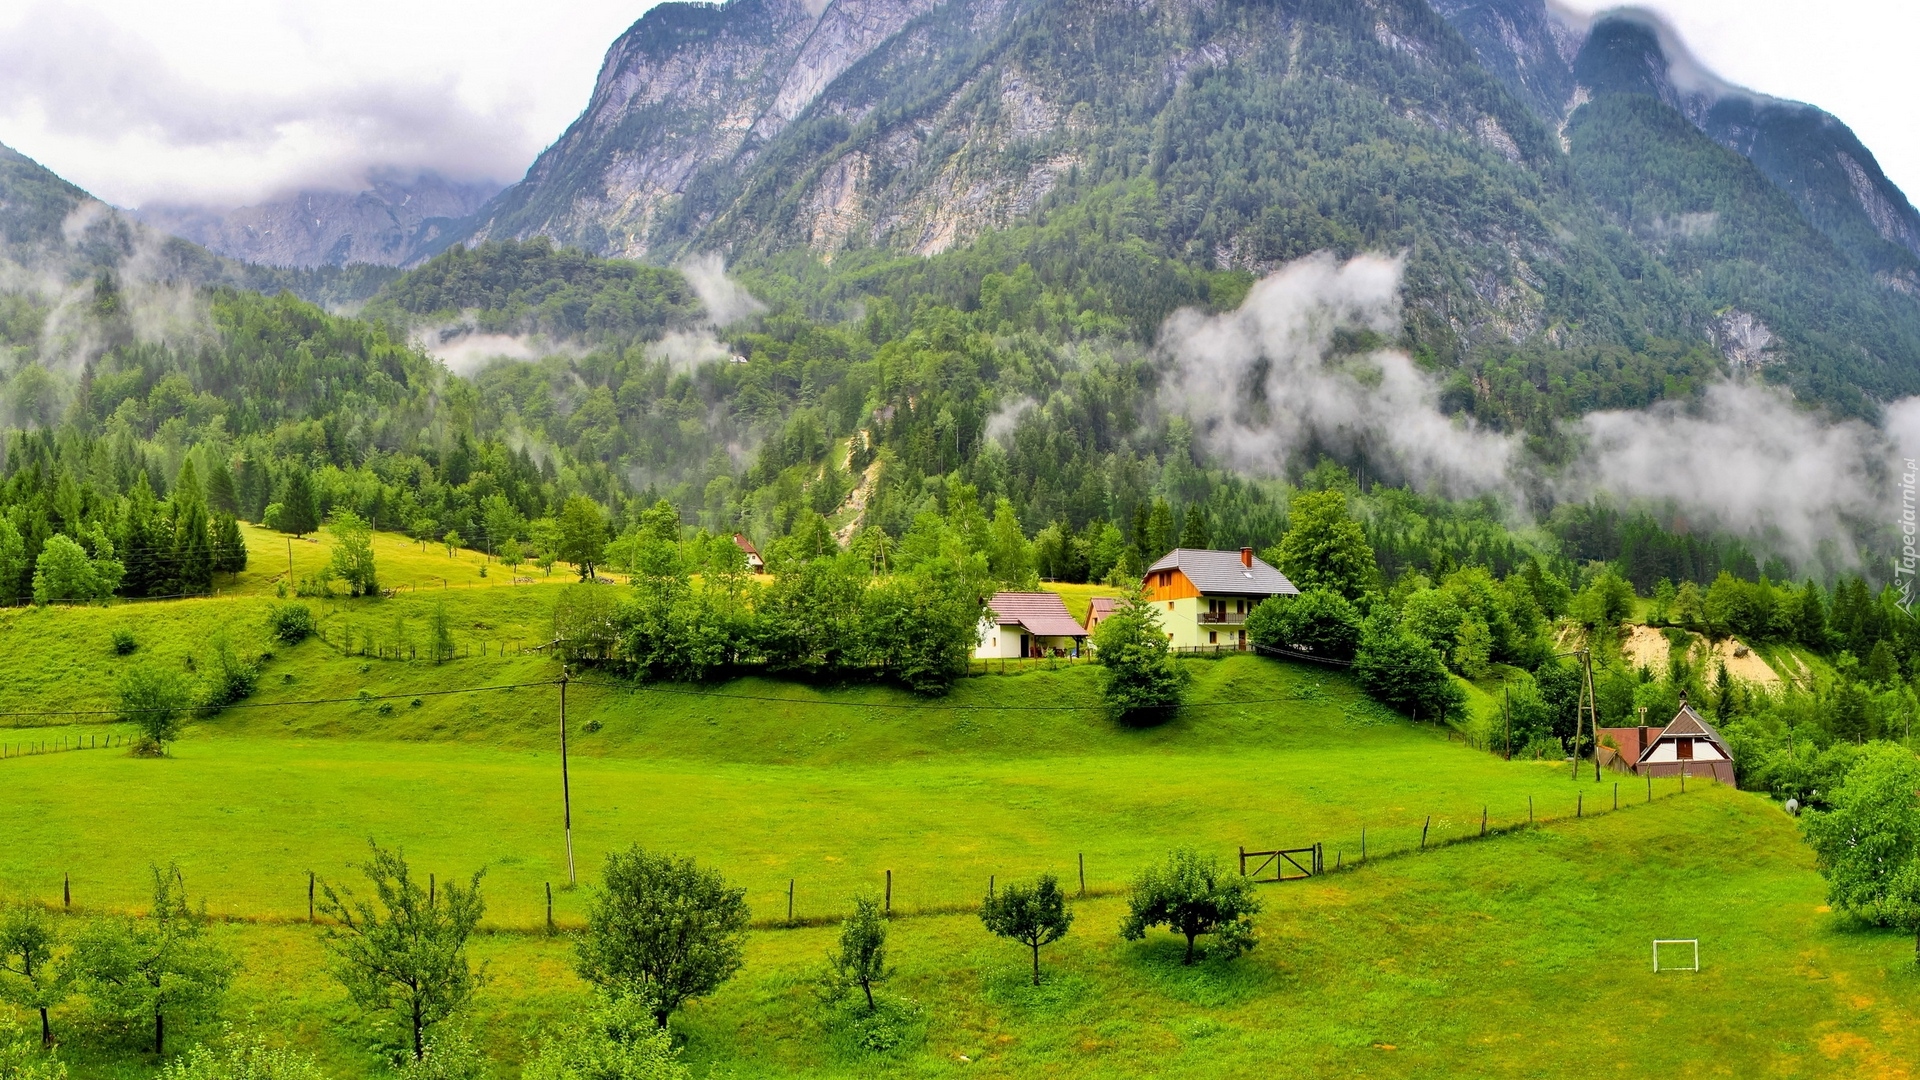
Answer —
1507 712
1579 717
566 791
1593 703
289 558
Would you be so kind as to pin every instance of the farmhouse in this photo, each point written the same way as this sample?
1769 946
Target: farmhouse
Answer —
755 563
1028 624
1689 744
1098 611
1204 596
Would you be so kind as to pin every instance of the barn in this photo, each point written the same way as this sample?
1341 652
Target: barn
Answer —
1688 745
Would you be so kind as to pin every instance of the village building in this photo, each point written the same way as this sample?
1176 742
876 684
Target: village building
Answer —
1099 611
755 563
1203 597
1688 745
1028 624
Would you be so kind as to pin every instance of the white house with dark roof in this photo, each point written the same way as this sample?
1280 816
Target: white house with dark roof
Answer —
1028 624
1203 597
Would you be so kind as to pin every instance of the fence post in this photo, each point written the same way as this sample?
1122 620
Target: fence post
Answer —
66 892
1483 821
1649 787
1083 873
1579 801
1616 794
549 907
889 907
989 886
1363 843
1529 809
790 901
1243 860
1423 832
309 898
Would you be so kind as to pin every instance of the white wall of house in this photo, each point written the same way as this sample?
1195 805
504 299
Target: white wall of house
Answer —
999 642
1193 621
1667 751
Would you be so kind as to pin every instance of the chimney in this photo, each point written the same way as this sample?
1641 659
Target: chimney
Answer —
1246 557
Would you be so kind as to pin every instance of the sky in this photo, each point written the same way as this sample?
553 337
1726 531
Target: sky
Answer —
226 102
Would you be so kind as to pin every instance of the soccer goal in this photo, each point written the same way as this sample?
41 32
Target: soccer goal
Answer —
1682 966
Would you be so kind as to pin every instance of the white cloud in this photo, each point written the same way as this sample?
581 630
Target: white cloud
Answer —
234 101
726 300
1853 58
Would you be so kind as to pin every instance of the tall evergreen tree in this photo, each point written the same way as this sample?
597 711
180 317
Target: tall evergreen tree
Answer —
192 548
222 497
299 510
229 547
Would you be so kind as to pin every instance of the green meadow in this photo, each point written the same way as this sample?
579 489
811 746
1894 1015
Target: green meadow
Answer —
1522 954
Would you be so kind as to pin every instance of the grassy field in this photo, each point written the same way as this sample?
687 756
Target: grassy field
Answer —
1524 954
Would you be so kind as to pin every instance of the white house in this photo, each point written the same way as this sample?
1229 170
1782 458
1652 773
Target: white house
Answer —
1203 597
1028 624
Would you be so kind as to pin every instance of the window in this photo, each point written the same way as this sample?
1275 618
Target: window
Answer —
1213 637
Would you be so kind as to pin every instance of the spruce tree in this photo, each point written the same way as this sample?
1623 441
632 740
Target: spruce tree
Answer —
229 548
192 549
299 510
222 498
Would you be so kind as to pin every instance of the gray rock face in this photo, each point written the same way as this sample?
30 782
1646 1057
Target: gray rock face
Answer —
393 223
689 89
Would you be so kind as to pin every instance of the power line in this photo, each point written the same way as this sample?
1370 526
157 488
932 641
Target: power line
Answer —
643 688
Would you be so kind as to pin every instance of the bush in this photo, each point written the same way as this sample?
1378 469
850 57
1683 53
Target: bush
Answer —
1318 621
123 642
23 1058
1399 669
290 623
229 678
242 1057
615 1039
155 701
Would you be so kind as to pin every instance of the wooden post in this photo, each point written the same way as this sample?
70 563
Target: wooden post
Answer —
430 890
1243 860
289 560
1593 703
1616 794
549 907
1529 809
1483 821
889 907
790 901
309 898
1423 832
1506 713
66 891
1083 873
989 886
1683 779
566 787
1649 787
1579 801
1363 843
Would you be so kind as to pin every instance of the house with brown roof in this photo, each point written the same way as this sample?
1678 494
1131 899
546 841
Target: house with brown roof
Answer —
1099 610
1688 745
1028 624
755 563
1204 597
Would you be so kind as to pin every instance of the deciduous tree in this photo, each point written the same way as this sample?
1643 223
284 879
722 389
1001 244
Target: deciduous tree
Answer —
663 928
402 955
1193 897
140 971
1033 915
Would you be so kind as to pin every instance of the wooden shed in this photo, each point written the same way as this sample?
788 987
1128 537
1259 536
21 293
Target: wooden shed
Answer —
1687 745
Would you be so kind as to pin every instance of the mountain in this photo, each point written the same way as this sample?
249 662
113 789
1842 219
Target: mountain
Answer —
394 222
1482 141
1555 64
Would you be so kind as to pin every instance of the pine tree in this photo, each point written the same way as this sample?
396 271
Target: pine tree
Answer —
299 511
1198 531
229 547
192 548
222 498
254 488
1159 531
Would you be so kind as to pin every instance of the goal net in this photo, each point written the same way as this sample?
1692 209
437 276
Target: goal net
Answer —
1678 957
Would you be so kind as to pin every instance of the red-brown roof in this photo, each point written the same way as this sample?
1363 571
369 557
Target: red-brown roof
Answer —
1042 613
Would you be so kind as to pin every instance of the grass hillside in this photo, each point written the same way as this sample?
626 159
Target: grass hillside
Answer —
1510 956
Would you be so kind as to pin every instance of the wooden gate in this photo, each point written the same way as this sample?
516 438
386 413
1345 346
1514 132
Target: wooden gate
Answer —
1282 863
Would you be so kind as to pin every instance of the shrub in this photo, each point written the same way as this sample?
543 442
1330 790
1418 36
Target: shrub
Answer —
229 678
290 623
1193 896
1318 621
235 1056
615 1039
123 641
155 702
1399 669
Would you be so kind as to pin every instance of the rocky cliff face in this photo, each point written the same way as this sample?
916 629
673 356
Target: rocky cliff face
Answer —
394 222
690 91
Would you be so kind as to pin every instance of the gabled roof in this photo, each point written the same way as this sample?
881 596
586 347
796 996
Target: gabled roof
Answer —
1042 614
1101 607
1686 722
746 545
1216 573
